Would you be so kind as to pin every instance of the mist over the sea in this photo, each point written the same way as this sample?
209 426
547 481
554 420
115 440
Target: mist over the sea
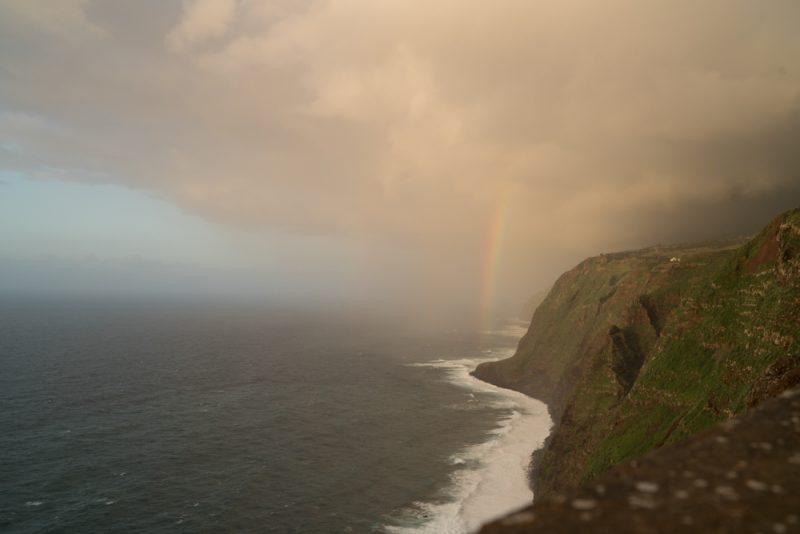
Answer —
251 250
179 417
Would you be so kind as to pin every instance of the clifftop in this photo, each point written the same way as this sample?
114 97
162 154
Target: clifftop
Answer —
582 308
636 350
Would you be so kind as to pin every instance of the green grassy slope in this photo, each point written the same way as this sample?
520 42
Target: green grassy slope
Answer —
633 351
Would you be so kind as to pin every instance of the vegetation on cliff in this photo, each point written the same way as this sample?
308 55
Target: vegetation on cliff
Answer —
739 476
638 349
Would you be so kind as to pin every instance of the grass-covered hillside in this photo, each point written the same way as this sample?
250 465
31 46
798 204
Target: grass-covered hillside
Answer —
635 350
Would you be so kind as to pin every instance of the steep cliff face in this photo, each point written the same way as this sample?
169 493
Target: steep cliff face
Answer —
740 476
635 350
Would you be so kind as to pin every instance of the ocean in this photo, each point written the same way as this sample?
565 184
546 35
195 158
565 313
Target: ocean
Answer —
189 417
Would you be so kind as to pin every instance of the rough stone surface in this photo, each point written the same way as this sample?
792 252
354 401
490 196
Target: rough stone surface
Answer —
780 376
740 476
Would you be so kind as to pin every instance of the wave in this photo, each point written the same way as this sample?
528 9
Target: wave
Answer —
492 478
513 329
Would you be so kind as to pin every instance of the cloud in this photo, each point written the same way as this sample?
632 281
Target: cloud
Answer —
403 125
201 20
63 20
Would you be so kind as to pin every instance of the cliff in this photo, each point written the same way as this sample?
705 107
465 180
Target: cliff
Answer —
636 350
740 476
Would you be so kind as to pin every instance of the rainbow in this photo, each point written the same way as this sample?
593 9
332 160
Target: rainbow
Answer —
494 240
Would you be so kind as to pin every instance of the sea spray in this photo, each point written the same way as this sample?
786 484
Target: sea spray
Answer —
492 476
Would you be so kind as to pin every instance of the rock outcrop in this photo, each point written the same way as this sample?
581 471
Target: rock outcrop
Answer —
740 476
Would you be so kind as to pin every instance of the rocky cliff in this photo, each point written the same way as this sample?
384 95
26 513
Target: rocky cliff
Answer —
740 476
636 350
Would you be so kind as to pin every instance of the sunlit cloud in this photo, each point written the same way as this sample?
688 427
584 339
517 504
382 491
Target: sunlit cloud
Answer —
201 20
402 126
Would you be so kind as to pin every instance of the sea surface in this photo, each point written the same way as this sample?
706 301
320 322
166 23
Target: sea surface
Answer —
179 417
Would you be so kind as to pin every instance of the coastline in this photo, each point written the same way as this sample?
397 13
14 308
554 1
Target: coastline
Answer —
541 447
493 477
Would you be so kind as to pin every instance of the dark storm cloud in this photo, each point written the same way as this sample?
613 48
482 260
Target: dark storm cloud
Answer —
403 125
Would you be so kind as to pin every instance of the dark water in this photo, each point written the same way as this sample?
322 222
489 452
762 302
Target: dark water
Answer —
178 418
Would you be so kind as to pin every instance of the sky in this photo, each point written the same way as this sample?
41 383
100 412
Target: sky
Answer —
456 154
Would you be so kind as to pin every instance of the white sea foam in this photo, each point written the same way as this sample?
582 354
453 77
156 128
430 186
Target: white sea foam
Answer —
515 329
494 477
